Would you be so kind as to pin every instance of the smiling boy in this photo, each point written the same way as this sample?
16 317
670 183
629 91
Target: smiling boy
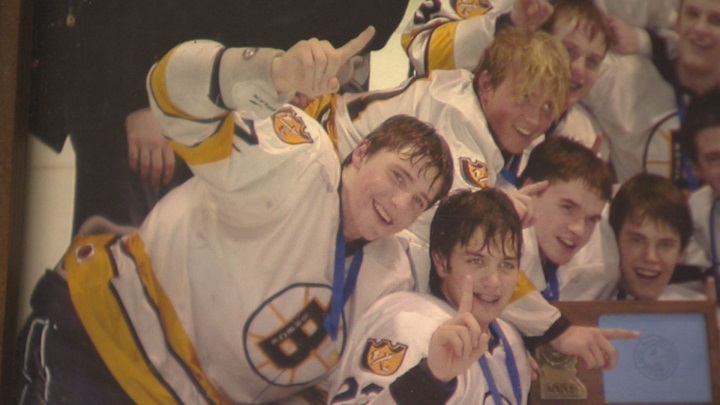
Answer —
566 256
652 224
442 36
419 349
234 288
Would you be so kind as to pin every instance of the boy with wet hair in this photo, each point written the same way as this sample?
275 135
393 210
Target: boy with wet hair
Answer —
652 224
422 349
483 120
217 297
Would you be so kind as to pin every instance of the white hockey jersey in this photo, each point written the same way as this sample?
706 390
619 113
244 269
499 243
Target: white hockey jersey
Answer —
447 34
218 298
394 336
637 111
592 274
446 99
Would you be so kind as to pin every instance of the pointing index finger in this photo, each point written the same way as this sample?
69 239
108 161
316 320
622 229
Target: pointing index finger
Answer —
357 44
466 296
614 333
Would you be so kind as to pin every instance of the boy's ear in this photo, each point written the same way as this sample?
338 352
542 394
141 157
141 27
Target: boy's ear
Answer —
440 263
483 82
358 154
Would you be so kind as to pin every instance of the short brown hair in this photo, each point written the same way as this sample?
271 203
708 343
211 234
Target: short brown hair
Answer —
649 196
414 140
463 212
559 158
586 13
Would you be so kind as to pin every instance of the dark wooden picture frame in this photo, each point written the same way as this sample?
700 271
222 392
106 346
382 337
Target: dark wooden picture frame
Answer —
588 313
15 30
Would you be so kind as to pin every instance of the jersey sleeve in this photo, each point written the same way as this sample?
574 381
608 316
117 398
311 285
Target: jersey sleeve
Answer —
535 318
222 115
448 34
388 342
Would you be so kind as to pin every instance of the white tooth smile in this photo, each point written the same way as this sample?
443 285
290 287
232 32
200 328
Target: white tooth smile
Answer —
567 243
523 131
490 299
648 274
382 213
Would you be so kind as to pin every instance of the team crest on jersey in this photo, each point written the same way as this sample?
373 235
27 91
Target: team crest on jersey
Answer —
383 357
471 8
474 172
290 127
84 252
285 341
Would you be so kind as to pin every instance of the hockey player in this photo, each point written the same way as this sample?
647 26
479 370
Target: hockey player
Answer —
444 35
700 133
641 102
651 221
570 253
517 90
234 288
448 347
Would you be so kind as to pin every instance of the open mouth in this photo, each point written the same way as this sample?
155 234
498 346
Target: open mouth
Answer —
647 275
523 131
489 299
382 214
567 243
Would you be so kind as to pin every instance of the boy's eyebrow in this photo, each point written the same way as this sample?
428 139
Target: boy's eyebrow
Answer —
569 200
482 253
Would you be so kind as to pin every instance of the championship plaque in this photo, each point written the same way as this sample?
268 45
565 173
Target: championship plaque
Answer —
675 360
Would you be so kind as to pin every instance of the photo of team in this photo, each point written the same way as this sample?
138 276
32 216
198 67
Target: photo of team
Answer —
254 222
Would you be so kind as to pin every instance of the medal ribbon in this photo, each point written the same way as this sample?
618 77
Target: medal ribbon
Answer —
552 291
510 364
342 288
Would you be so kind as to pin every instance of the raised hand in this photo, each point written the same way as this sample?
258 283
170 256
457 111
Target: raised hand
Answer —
459 342
522 201
530 14
626 38
313 67
592 344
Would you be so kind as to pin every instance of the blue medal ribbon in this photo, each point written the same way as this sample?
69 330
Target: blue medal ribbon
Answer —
510 171
552 291
342 288
510 364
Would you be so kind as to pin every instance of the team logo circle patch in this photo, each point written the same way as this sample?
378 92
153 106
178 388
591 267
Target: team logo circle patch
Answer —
285 342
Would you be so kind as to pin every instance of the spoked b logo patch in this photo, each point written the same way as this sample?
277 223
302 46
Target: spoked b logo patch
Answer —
285 341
